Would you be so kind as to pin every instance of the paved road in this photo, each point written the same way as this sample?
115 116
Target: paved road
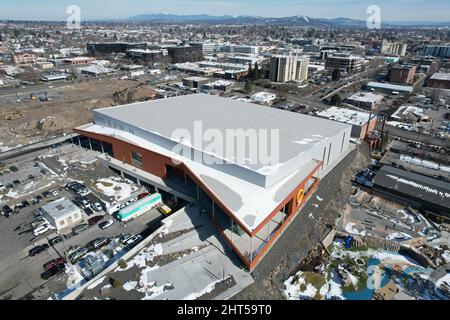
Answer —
32 147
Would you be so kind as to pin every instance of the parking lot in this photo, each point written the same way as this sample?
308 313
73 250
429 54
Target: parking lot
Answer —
62 165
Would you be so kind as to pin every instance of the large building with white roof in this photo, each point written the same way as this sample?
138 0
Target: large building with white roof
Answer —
166 146
362 123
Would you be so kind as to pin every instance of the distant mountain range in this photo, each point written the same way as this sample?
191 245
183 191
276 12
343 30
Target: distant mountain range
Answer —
300 21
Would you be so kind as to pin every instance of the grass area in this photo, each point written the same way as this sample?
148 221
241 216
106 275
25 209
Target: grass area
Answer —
316 279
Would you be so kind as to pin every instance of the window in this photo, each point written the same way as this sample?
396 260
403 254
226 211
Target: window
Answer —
329 152
343 139
136 159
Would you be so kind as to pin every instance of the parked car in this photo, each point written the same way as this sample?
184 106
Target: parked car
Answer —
38 199
53 271
77 255
124 238
143 195
52 263
94 220
97 206
38 215
80 228
165 210
54 192
106 224
88 211
98 243
134 240
46 194
7 211
55 240
41 229
38 249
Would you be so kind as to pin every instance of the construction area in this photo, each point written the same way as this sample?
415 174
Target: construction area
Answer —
31 115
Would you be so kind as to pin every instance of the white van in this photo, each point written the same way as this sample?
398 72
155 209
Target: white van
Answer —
41 230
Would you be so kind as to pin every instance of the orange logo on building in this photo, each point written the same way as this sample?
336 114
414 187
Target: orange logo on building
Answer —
300 196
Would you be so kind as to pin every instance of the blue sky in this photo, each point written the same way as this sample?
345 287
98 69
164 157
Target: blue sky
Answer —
391 10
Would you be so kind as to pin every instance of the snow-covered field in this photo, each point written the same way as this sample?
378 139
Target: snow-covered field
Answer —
115 187
333 286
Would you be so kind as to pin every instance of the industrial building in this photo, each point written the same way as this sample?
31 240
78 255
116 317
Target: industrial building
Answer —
195 82
390 88
250 200
365 100
437 51
419 191
62 214
439 80
362 123
397 48
403 74
284 68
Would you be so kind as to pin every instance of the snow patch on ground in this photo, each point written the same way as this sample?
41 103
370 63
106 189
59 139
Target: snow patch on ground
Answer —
350 229
114 187
130 285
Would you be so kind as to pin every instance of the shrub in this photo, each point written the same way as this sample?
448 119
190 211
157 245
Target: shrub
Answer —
116 283
122 264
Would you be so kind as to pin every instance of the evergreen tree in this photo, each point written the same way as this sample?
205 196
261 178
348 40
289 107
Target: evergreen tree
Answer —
336 75
255 74
248 86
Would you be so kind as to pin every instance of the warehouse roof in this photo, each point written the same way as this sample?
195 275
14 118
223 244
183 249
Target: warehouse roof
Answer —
297 133
441 76
414 185
356 118
388 86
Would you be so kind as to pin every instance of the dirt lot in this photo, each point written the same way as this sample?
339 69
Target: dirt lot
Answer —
307 230
69 106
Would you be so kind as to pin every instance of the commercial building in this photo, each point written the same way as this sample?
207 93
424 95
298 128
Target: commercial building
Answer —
365 100
248 197
362 123
416 190
245 59
54 77
220 85
403 74
344 61
390 88
77 60
195 82
397 48
96 70
439 80
241 49
288 68
185 54
144 55
263 97
62 214
95 49
24 58
437 51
